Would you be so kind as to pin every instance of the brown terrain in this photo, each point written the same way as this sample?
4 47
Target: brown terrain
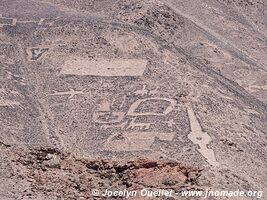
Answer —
132 95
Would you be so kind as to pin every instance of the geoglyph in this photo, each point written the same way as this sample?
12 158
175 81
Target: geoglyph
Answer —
130 140
201 138
135 141
104 67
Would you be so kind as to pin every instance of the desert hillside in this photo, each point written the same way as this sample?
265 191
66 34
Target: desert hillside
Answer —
132 95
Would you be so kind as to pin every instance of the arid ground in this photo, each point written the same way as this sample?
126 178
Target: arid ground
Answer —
132 94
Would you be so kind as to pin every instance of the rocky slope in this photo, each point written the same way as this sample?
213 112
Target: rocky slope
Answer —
132 94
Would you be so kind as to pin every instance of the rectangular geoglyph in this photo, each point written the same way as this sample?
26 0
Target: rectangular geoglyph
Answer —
104 67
